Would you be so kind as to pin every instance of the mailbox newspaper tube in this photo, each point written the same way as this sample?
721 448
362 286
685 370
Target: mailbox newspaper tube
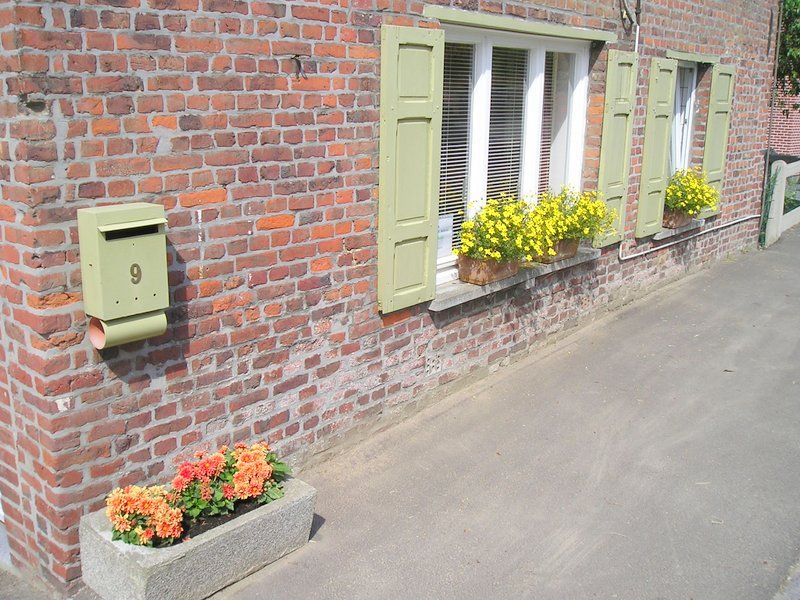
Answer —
123 272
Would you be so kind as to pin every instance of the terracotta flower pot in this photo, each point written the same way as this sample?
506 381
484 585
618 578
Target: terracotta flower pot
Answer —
483 271
674 219
564 249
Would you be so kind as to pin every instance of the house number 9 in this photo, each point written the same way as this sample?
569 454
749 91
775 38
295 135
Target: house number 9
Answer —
136 273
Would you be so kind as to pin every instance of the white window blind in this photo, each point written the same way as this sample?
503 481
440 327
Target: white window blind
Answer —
560 110
682 122
547 124
458 67
506 120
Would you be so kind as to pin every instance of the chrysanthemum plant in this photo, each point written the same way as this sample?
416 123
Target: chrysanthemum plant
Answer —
568 215
690 193
144 516
208 486
496 232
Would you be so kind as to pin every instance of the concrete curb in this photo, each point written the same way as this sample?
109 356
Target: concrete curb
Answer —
790 590
203 565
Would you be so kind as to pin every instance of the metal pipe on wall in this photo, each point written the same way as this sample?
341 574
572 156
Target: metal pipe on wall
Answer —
685 239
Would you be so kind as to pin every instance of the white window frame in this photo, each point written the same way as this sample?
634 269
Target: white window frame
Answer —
680 157
537 46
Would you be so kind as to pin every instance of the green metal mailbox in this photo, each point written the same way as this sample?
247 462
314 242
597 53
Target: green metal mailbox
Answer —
124 271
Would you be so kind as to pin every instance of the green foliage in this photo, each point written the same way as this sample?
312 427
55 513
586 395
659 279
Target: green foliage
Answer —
509 229
273 489
690 193
568 215
789 54
496 232
133 536
213 484
280 470
207 487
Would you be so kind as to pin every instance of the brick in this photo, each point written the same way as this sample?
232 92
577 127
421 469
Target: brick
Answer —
198 44
275 222
212 196
114 83
143 41
50 40
123 166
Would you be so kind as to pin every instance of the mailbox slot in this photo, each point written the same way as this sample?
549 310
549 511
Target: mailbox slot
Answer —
121 234
119 231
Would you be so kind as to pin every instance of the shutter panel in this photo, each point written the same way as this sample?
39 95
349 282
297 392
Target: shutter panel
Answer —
715 148
615 153
410 139
655 156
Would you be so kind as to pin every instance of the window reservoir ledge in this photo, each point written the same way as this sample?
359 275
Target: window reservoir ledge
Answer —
666 233
471 18
696 57
454 293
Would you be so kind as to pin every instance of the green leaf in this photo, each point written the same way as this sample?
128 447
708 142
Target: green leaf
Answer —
789 55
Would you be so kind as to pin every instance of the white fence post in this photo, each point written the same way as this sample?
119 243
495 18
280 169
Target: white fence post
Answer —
776 204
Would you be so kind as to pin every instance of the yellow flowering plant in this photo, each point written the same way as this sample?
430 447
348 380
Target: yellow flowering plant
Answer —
690 193
496 232
568 215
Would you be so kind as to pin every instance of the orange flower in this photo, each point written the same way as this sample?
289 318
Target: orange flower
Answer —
228 491
186 470
145 511
252 470
210 466
180 482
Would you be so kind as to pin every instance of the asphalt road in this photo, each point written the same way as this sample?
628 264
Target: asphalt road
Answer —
652 455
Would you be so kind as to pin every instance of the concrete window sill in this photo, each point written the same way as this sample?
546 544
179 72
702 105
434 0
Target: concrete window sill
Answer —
454 293
665 233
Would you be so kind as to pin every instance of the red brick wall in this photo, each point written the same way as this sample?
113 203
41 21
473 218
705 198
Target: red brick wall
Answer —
786 126
269 181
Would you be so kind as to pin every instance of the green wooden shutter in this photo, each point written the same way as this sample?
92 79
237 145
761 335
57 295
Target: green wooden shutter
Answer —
412 62
615 153
655 156
719 118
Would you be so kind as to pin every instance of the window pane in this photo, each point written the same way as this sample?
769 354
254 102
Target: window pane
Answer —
682 122
509 70
547 123
556 107
791 200
455 145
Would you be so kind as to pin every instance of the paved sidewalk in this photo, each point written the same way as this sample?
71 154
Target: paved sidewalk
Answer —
655 454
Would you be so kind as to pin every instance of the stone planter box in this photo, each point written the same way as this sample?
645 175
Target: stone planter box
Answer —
675 220
485 271
565 249
202 565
